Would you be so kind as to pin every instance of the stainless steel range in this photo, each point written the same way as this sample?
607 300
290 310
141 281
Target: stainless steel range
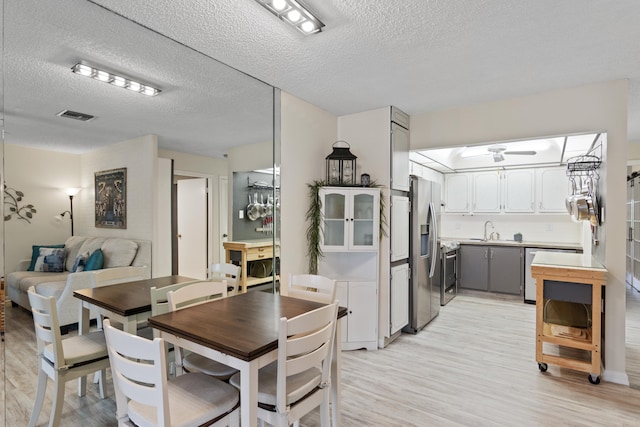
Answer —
449 285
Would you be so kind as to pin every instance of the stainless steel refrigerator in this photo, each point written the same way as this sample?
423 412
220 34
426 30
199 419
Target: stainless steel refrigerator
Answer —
424 253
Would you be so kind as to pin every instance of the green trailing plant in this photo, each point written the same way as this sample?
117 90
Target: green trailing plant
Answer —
314 220
12 197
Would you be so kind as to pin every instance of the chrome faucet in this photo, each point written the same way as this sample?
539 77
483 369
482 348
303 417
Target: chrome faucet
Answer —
486 223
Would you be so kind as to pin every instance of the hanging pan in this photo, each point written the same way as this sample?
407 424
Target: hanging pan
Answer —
253 211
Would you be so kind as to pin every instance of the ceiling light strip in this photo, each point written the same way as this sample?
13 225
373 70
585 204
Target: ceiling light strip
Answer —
114 79
295 14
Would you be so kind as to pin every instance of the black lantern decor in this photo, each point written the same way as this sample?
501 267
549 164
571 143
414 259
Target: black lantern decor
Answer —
341 165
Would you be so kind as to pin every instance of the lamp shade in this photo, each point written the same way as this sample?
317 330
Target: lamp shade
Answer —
341 165
72 191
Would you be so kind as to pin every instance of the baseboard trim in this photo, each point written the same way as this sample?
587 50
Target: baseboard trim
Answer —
615 377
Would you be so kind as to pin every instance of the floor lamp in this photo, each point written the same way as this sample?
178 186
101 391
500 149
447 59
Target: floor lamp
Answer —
71 192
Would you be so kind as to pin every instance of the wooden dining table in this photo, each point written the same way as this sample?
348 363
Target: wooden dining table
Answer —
242 332
128 303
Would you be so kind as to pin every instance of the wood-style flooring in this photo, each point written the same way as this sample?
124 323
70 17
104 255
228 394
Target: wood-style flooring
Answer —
474 365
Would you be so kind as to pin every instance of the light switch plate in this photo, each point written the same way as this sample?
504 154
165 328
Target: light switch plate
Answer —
241 214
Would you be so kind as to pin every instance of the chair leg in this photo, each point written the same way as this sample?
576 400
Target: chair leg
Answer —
102 378
56 407
325 414
39 400
234 418
82 385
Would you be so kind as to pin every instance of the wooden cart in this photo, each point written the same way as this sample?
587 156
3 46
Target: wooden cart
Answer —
578 279
249 251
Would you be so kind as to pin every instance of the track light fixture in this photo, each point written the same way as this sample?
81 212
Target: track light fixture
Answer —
295 14
114 79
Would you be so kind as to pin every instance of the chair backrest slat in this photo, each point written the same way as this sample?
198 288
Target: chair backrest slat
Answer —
196 293
47 326
228 272
138 366
312 287
305 341
159 302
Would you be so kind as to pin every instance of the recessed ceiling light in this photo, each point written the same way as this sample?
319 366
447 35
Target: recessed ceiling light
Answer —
114 79
295 14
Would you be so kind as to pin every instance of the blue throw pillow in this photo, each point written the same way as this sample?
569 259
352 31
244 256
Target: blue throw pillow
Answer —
80 262
35 253
50 260
95 261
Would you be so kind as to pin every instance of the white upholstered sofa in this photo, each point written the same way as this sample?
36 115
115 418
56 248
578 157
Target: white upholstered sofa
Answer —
124 260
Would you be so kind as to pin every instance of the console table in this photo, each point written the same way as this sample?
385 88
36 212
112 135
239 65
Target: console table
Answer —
243 253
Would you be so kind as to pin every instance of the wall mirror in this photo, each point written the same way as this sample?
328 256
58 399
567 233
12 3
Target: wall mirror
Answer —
211 119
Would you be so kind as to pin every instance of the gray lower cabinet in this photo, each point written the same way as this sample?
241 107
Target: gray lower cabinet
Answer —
492 268
474 267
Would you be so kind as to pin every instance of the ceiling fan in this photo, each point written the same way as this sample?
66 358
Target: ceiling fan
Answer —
499 151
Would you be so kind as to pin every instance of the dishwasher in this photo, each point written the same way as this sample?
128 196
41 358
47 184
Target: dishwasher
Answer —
530 282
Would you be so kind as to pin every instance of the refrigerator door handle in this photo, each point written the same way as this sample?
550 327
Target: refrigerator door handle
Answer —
434 233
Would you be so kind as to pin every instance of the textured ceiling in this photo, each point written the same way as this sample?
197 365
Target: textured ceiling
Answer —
419 55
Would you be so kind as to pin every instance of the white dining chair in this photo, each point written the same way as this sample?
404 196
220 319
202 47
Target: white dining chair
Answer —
145 397
188 296
299 381
62 360
228 272
312 287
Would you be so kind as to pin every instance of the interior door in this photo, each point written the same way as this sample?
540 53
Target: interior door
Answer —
192 228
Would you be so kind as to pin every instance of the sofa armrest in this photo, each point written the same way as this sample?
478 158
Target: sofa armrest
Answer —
23 264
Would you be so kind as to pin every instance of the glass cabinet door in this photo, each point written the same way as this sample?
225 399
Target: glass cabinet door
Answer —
335 220
363 221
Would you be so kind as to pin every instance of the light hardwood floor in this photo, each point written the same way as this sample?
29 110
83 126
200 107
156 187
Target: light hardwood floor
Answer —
473 365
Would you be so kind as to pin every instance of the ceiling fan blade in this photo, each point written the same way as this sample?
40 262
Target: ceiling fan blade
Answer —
525 153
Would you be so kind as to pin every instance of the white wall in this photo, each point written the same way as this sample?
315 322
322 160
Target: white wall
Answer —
161 255
139 157
593 108
42 176
368 134
547 228
307 133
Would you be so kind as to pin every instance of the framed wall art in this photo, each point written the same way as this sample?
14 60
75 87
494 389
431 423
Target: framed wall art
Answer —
111 198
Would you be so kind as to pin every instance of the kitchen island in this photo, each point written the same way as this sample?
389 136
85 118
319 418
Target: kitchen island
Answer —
579 280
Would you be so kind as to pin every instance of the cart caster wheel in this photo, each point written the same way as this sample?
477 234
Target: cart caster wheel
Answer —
543 367
594 379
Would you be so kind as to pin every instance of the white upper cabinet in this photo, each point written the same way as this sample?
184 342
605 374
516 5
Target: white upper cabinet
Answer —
539 190
553 189
518 191
351 219
486 192
457 193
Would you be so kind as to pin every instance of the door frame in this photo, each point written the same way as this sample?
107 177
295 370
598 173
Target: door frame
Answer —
213 230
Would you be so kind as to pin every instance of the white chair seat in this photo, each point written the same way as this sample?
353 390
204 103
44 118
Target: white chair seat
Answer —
194 399
194 362
80 348
298 385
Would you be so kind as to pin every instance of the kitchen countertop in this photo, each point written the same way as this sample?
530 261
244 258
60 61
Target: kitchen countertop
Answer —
523 244
566 260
